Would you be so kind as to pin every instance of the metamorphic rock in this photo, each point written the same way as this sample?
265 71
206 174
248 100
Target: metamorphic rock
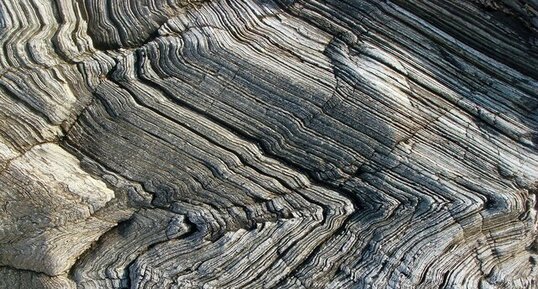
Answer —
268 144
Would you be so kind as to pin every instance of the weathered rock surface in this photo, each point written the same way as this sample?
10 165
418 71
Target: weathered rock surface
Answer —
268 144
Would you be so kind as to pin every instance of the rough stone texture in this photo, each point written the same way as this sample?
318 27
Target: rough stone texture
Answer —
268 144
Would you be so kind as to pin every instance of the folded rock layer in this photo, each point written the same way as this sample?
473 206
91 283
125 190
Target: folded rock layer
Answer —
268 144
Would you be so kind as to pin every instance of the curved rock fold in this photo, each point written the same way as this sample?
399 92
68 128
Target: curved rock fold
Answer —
268 144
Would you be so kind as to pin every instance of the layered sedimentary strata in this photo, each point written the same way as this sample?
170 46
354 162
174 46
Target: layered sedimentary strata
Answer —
268 144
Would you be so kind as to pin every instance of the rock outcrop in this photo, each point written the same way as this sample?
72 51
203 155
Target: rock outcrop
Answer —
268 144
